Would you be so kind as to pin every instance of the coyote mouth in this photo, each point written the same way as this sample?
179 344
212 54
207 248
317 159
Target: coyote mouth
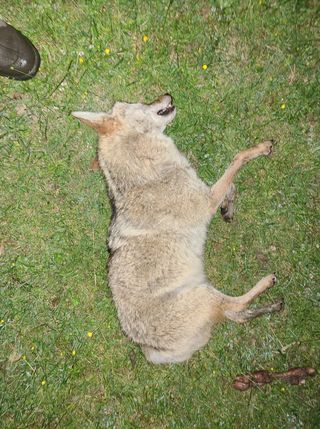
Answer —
168 109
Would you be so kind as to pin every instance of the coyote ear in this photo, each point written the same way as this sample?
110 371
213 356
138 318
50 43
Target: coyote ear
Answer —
101 122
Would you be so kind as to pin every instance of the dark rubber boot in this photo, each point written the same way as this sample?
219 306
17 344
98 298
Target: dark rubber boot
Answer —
19 59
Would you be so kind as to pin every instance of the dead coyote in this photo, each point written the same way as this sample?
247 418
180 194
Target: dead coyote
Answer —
158 231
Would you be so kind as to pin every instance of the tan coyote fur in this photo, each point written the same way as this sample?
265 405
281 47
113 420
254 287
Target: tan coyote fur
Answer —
158 231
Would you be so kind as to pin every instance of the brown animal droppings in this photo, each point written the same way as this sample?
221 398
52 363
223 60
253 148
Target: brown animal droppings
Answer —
294 376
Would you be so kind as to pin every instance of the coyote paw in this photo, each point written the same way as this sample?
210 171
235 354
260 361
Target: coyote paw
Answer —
227 213
278 305
227 207
271 280
267 147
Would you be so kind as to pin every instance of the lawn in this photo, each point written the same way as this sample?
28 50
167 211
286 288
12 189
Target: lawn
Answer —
240 72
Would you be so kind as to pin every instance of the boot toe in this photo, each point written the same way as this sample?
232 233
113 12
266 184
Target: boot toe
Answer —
19 58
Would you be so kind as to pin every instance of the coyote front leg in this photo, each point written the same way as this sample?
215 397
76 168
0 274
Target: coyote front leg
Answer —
221 187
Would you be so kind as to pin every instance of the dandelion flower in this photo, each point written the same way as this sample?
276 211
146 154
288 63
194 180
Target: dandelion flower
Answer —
89 334
283 106
1 322
107 51
81 57
145 38
43 382
204 66
73 353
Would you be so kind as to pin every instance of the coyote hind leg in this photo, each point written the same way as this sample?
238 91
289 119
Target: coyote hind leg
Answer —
241 302
236 309
245 315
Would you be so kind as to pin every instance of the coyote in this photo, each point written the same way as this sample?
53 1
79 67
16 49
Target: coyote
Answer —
158 231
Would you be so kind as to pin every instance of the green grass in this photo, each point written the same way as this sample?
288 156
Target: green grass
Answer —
55 212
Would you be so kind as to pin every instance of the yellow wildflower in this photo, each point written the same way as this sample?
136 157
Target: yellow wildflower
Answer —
107 51
283 106
204 66
73 353
145 38
89 334
43 382
81 60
